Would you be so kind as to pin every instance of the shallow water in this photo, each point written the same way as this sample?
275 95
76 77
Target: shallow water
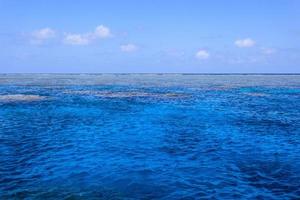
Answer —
149 136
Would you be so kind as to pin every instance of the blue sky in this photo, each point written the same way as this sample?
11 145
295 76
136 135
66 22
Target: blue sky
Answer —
211 36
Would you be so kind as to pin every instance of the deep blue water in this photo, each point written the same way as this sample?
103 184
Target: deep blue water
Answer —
146 136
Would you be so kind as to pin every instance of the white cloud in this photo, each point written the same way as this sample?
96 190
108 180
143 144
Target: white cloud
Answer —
202 54
76 39
43 34
268 51
128 48
244 43
100 32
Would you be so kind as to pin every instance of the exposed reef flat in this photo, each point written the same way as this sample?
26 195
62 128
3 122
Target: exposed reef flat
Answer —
20 98
126 94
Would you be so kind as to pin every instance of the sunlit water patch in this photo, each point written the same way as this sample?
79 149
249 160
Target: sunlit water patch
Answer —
149 136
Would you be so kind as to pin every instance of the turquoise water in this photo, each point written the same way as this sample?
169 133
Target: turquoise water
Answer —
149 136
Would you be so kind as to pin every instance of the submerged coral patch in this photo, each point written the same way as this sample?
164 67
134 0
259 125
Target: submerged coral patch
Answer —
256 94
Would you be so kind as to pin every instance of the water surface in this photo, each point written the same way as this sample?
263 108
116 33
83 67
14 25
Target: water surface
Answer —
149 136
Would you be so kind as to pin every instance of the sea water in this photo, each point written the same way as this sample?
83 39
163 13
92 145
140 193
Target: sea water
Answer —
149 136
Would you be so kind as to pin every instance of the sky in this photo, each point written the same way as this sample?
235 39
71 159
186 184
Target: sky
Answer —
143 36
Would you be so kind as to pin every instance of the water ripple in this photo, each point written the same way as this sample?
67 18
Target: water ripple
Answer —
149 137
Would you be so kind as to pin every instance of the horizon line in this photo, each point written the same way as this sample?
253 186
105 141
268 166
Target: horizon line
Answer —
156 73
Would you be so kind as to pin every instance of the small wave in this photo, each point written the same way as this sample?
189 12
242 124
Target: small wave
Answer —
21 97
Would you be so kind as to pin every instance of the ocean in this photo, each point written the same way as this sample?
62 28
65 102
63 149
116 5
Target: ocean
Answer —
149 136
